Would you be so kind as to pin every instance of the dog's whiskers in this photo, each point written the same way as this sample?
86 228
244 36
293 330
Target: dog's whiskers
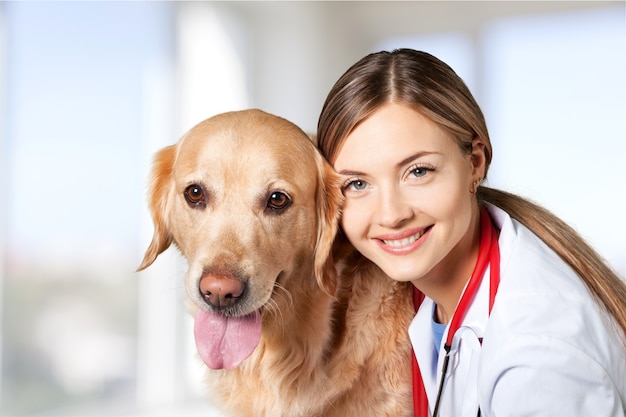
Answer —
280 293
280 290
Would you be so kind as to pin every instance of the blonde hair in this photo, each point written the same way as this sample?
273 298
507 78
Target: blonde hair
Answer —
431 87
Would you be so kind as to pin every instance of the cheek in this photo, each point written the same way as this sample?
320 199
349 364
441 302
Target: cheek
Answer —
353 220
445 199
451 207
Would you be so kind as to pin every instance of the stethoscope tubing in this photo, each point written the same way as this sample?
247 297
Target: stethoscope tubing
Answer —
492 257
444 371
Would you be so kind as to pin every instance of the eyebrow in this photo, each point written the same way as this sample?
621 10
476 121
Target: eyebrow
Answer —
350 173
398 165
413 157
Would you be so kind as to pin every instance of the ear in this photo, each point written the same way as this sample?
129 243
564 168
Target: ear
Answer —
329 203
160 188
478 158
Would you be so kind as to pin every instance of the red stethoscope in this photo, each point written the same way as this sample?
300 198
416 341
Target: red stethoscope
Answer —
488 254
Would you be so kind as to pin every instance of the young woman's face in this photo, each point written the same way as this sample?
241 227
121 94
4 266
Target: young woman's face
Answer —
407 186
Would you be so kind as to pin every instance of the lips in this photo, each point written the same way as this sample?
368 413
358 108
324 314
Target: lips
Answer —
403 241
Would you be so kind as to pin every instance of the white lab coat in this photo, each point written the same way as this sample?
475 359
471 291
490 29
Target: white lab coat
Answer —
547 349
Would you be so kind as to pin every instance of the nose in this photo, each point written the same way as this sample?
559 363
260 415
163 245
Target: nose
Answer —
220 291
393 209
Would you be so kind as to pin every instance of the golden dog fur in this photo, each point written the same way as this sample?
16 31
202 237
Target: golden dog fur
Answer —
334 333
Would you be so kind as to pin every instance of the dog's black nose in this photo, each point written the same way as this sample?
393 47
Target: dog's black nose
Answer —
220 291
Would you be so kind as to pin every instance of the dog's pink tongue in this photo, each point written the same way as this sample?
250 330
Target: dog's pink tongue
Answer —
224 342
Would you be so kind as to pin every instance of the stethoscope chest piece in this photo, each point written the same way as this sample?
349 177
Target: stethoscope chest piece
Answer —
467 337
470 339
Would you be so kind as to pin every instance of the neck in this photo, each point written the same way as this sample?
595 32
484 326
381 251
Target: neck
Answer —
445 283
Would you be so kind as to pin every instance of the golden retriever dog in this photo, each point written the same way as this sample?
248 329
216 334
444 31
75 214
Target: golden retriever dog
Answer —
286 322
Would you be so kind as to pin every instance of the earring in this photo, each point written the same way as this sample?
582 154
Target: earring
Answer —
475 185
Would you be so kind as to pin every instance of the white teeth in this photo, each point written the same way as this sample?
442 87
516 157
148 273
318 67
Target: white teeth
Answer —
400 243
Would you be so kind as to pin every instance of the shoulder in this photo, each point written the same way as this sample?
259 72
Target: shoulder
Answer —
545 328
539 293
528 264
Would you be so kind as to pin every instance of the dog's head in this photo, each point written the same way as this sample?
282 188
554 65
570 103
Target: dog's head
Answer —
249 202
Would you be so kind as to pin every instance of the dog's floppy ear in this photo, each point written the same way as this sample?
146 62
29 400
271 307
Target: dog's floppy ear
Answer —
159 191
329 202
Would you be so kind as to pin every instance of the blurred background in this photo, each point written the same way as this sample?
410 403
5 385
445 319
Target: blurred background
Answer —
90 90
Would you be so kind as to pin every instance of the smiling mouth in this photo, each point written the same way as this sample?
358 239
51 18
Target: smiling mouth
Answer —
407 241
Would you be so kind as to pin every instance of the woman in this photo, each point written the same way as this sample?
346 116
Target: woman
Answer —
520 316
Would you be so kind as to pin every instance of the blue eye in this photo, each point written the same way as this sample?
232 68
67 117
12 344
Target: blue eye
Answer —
354 185
419 171
358 185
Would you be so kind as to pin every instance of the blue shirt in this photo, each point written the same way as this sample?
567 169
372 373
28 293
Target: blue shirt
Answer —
438 330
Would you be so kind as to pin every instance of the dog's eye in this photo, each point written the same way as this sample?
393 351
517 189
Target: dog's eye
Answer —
194 194
278 201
